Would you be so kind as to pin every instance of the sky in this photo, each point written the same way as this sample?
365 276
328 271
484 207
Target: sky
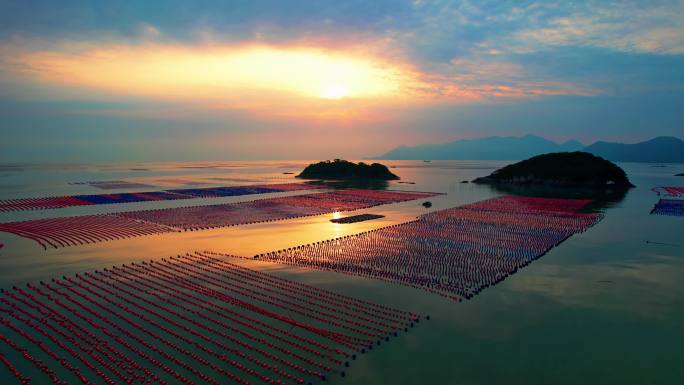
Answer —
188 80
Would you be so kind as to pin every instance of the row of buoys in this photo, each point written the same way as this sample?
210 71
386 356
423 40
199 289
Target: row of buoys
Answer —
193 318
455 252
40 364
240 318
71 339
49 312
672 191
270 209
137 315
546 206
107 352
23 379
77 313
72 231
110 184
293 290
113 318
40 203
241 286
44 203
186 283
373 197
118 287
674 207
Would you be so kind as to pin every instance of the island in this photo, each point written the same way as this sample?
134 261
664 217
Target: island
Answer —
344 170
578 169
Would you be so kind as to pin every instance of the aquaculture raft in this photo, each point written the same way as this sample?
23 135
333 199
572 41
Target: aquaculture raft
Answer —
271 209
100 199
669 191
674 207
111 184
71 231
189 319
455 252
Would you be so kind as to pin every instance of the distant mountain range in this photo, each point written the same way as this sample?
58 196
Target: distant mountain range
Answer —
663 149
660 150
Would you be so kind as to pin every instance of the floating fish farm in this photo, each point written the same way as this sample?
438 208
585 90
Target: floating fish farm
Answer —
191 319
455 252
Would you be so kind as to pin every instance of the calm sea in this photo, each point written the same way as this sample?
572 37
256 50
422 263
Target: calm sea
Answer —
605 307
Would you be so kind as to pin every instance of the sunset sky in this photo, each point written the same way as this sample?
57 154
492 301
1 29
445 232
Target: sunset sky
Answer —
211 80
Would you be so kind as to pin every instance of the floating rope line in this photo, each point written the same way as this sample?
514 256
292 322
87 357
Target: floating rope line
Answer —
101 199
72 231
190 319
455 252
674 207
111 184
669 191
271 209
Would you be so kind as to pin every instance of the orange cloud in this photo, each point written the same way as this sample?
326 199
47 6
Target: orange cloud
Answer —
333 83
215 72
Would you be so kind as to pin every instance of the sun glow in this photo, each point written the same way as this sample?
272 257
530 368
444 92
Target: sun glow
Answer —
335 91
222 73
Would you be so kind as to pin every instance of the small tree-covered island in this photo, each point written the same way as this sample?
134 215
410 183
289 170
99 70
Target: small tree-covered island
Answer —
344 170
578 169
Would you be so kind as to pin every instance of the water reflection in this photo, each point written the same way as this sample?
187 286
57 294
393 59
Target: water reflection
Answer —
602 198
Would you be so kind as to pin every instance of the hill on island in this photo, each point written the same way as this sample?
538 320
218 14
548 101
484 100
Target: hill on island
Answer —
664 149
661 149
580 169
345 170
489 148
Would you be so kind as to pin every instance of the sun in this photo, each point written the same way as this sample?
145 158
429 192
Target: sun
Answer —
335 91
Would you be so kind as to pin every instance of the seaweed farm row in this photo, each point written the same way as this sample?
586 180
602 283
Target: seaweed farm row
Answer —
674 207
111 184
455 252
72 231
190 319
670 191
263 210
163 195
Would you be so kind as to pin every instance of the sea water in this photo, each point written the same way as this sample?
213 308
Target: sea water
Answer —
605 307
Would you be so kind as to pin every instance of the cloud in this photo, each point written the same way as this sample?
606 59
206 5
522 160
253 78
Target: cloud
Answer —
148 30
622 26
424 70
273 79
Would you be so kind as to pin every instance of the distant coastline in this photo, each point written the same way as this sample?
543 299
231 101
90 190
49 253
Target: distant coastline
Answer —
656 150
